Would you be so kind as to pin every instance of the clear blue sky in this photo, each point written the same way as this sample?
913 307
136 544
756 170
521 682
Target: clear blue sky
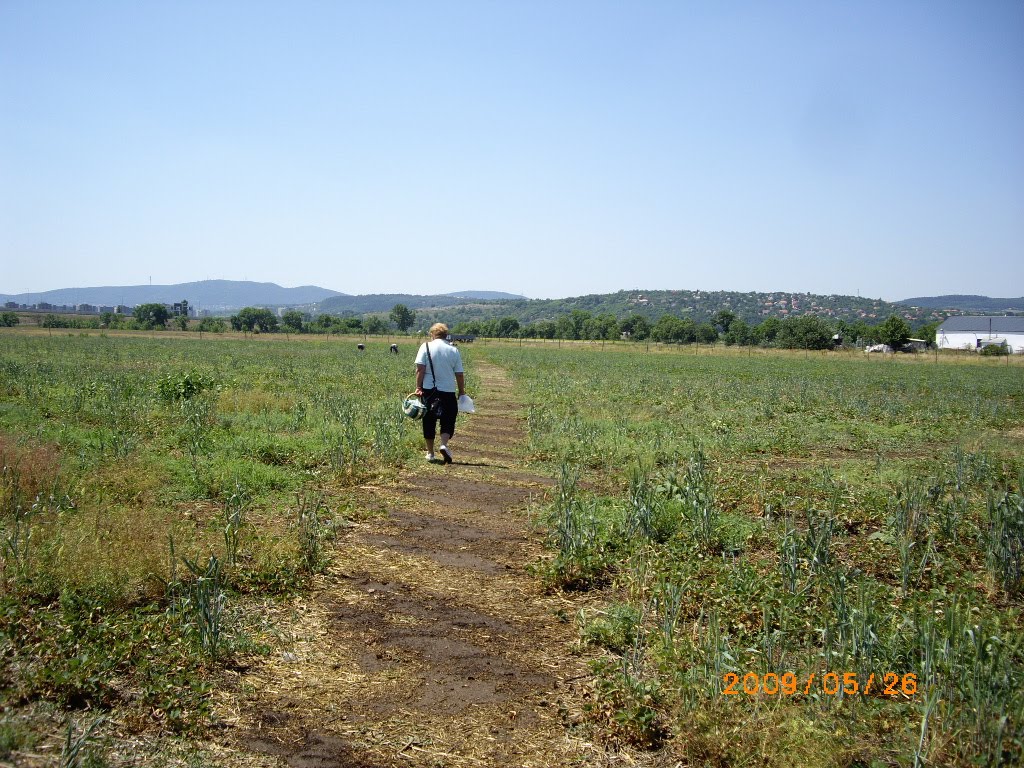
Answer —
541 147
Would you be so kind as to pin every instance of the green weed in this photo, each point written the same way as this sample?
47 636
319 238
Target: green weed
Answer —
312 531
695 492
1004 539
234 508
14 736
579 535
174 387
614 628
73 754
202 605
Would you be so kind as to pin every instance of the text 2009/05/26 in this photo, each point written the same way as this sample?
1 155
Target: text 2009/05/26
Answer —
830 683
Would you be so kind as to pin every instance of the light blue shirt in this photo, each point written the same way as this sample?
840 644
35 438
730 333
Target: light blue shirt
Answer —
447 362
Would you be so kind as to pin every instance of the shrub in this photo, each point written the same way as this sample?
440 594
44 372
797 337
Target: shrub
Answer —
174 387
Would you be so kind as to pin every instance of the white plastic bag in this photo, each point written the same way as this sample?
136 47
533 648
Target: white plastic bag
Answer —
466 404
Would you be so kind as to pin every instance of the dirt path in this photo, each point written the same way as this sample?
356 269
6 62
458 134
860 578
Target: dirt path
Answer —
429 643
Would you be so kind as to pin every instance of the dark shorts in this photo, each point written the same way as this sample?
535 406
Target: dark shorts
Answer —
443 407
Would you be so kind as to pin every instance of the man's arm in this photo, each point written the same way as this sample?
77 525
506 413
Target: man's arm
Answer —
461 379
421 371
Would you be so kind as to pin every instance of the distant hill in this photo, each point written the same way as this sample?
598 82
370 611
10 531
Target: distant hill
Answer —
486 295
967 303
700 306
207 294
383 302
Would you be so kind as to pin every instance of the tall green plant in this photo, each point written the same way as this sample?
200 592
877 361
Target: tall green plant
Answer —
696 492
1004 539
234 508
575 534
204 604
72 753
197 415
309 509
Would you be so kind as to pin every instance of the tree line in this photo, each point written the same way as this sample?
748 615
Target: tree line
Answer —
153 316
803 332
263 320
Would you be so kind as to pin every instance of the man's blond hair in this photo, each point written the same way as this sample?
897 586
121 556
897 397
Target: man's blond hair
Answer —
438 331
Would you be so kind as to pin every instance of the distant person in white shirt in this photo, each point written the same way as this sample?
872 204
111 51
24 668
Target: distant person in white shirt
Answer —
438 374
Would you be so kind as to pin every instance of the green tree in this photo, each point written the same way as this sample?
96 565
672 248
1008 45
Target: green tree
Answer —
469 327
573 325
181 321
854 331
333 324
151 315
807 332
739 333
687 331
895 332
672 329
375 325
603 326
212 325
637 326
111 320
9 319
541 329
403 317
767 331
707 333
324 324
254 318
292 321
928 331
507 328
53 321
724 319
668 328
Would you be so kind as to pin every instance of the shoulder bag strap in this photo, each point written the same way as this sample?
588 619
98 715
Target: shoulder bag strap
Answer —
431 361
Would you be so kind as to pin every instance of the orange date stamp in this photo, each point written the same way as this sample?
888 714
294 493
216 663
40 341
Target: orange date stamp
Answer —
830 683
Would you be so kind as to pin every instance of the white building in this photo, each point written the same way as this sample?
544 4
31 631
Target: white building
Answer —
977 332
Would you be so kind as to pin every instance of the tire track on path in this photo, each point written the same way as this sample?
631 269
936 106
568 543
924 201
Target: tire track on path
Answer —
428 642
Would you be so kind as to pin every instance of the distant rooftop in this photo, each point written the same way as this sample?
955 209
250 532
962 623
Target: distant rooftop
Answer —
983 324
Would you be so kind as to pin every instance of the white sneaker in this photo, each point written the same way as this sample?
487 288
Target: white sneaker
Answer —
447 454
431 457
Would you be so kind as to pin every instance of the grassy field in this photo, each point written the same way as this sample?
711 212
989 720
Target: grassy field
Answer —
806 559
802 559
154 490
